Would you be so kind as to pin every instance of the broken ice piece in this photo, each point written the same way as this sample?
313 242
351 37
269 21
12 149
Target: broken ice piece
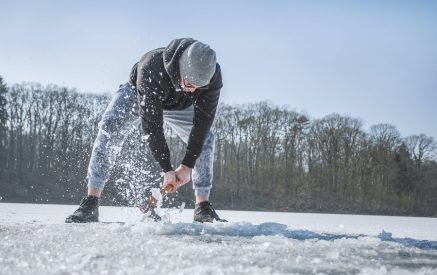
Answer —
156 194
181 208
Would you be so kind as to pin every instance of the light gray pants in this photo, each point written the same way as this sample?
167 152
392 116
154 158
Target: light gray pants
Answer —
120 117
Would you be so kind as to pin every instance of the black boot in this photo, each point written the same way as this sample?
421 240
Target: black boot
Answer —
204 212
88 211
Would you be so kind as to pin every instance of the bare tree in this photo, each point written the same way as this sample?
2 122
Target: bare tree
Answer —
421 148
3 128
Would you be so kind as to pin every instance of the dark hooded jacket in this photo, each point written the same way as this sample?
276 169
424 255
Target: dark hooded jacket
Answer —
156 79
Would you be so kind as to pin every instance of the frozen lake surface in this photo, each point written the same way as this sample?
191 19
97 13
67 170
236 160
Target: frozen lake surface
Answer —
35 240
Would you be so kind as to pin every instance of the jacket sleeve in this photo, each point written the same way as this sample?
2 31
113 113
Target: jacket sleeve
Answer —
204 113
151 112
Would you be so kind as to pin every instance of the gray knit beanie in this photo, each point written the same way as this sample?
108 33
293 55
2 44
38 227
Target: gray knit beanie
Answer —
197 64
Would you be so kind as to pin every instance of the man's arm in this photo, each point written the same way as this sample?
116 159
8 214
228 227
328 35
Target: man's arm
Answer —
204 113
151 112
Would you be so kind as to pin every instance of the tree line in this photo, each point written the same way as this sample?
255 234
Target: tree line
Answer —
266 158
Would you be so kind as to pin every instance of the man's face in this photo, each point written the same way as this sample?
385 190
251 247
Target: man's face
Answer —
187 87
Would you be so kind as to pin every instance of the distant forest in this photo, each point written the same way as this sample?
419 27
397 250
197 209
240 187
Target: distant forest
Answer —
266 158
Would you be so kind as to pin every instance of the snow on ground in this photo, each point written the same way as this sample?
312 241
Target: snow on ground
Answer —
35 240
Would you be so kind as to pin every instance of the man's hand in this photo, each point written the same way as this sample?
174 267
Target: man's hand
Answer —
183 174
170 178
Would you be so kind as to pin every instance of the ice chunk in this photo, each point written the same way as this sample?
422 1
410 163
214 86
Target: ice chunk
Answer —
182 207
144 172
105 133
157 194
144 138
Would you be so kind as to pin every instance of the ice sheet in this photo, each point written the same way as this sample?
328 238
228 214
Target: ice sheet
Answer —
34 239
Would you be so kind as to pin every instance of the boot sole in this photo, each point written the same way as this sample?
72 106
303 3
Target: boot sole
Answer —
78 220
205 220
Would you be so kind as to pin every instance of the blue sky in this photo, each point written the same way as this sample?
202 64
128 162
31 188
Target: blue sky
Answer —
376 60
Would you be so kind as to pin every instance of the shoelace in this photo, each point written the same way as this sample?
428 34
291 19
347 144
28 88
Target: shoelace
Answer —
86 201
216 216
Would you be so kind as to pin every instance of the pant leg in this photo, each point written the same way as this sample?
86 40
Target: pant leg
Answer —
119 118
181 122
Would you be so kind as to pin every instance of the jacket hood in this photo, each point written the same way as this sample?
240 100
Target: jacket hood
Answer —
171 56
